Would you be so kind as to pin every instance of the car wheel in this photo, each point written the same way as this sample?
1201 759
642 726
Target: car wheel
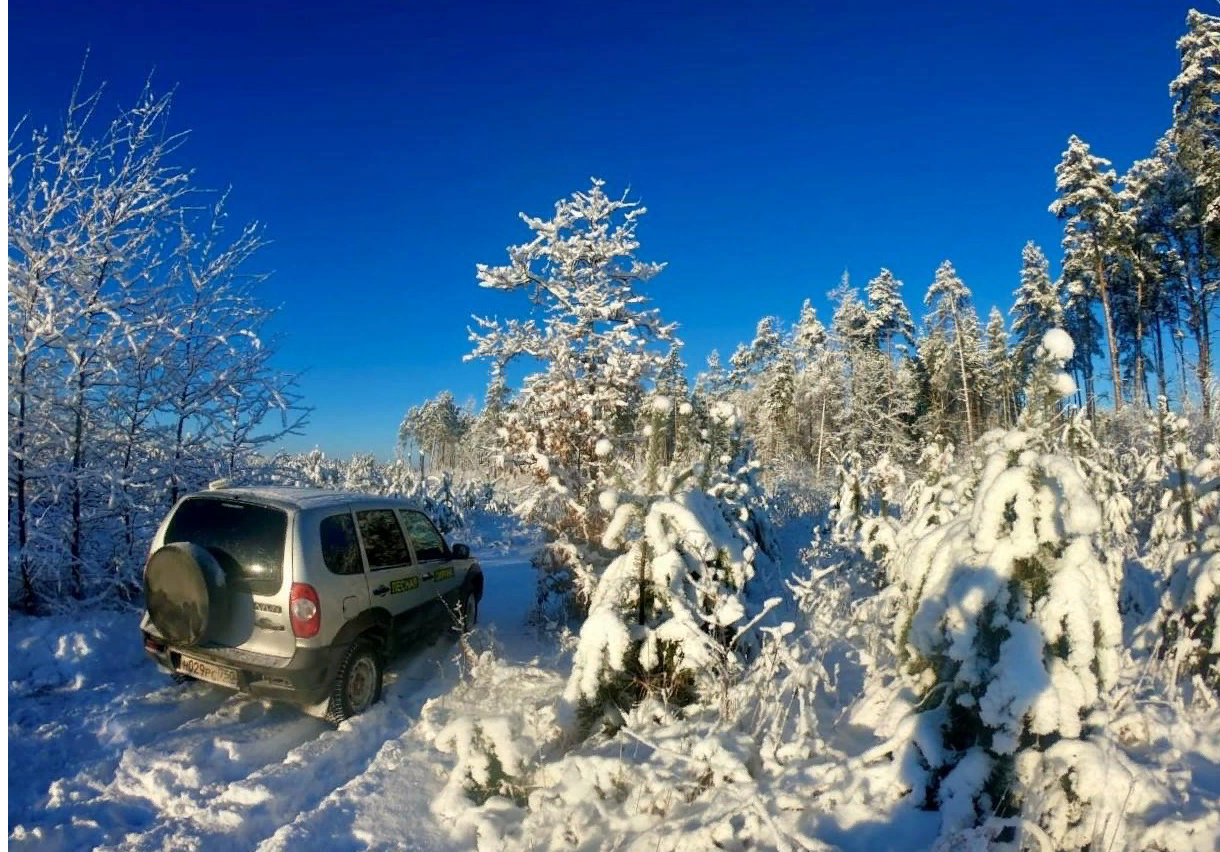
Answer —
357 685
469 615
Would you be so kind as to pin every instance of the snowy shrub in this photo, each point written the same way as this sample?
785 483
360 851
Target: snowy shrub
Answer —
1186 549
863 522
939 497
885 482
565 584
670 616
847 513
1101 468
1012 626
489 761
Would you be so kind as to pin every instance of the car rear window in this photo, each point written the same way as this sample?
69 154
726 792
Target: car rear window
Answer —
247 540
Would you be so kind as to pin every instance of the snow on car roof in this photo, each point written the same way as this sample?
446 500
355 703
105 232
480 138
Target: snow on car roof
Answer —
289 497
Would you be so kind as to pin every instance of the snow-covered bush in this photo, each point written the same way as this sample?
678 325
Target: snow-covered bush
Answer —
939 496
850 505
1101 468
671 616
489 759
1012 628
1185 550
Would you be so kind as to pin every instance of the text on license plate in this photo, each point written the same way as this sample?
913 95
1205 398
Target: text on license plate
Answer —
208 671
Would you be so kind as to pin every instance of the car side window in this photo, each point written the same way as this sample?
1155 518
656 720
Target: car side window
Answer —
383 542
340 547
425 539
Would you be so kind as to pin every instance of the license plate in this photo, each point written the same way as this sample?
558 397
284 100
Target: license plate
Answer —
208 671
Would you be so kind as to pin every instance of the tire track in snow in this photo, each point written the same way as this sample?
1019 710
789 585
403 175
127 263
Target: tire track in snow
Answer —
126 760
205 740
249 809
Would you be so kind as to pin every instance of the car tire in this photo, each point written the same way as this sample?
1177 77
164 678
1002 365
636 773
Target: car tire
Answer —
469 615
357 685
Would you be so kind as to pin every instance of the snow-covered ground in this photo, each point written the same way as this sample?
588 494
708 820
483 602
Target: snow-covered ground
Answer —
105 752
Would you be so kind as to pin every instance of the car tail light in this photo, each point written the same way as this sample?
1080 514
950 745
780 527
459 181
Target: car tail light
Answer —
153 645
304 610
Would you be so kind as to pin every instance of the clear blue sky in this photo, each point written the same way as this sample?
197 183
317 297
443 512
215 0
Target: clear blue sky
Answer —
389 147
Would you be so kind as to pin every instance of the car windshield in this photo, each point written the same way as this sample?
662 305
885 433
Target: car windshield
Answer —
247 540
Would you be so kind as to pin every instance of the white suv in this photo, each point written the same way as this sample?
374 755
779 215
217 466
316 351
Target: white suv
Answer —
300 594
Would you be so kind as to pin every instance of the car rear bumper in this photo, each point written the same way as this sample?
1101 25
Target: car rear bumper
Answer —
305 678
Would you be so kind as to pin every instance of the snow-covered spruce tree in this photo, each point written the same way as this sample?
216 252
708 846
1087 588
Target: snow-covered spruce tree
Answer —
860 517
1109 487
1012 627
938 497
998 391
952 315
1184 549
1035 311
1089 205
672 616
1196 141
886 483
847 511
595 344
435 429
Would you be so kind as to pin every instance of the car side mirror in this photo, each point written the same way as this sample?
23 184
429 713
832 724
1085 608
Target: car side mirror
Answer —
461 551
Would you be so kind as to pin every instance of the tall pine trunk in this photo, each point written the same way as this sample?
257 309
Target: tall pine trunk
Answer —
1111 341
1158 343
961 354
1139 393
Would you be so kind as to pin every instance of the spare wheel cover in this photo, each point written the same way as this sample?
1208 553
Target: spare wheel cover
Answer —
184 592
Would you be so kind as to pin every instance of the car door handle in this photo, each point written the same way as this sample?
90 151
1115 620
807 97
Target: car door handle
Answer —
381 590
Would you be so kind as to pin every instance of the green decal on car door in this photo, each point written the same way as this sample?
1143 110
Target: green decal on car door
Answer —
406 584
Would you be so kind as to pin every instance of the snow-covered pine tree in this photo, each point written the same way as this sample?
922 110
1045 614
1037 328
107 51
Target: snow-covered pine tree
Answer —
821 406
1079 320
671 616
1109 487
952 314
808 335
938 497
1089 204
435 428
999 396
713 382
851 501
1035 311
779 418
671 383
596 345
1184 551
889 320
1012 627
1149 208
1196 142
